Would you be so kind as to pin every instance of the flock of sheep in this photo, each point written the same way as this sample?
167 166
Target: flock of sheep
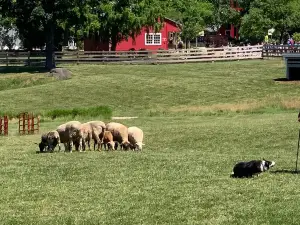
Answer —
80 135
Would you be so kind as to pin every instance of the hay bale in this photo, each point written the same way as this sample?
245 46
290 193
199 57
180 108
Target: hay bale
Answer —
60 73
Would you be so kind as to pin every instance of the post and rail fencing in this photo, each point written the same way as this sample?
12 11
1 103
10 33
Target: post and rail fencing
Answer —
271 51
3 125
37 58
28 123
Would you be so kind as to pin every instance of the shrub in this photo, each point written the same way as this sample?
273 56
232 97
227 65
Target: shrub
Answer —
104 111
296 37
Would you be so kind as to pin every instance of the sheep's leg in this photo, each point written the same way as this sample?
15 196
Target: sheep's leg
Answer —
83 147
81 143
58 142
70 145
89 140
66 147
94 144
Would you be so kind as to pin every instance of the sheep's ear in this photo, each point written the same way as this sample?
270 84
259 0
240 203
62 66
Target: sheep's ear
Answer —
143 144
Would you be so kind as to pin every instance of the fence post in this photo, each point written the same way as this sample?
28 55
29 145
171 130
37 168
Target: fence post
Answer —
32 124
24 118
0 125
7 62
77 57
29 63
28 123
6 125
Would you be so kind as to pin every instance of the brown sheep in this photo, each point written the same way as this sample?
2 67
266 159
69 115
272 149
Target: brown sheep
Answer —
108 140
120 134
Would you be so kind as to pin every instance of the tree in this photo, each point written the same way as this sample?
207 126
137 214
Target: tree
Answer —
41 21
193 15
115 20
282 15
223 14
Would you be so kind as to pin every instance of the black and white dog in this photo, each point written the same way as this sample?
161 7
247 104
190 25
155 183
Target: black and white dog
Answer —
254 167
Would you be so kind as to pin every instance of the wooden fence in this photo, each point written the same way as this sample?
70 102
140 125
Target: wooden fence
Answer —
134 57
270 51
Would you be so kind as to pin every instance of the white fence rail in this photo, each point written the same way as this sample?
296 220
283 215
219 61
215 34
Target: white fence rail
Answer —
135 57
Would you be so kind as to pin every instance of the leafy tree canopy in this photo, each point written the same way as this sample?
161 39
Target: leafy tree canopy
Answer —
282 15
193 15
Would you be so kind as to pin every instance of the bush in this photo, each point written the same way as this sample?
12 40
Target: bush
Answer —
296 37
104 111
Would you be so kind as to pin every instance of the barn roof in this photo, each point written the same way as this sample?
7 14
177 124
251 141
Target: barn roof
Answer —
173 21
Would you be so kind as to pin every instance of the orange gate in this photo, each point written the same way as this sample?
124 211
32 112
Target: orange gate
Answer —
28 123
4 125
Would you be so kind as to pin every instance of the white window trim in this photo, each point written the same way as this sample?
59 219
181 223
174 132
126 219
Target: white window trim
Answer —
153 38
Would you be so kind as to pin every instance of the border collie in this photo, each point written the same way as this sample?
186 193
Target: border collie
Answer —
250 168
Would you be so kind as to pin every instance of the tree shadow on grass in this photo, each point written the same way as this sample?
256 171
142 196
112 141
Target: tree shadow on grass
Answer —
285 171
281 79
23 69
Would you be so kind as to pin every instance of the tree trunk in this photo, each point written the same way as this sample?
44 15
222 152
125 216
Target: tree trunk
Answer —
281 37
113 43
50 57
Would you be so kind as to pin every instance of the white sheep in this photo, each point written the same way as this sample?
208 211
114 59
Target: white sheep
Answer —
98 128
74 134
135 137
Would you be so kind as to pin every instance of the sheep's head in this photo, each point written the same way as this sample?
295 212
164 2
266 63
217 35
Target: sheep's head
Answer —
139 146
125 145
42 146
111 145
51 140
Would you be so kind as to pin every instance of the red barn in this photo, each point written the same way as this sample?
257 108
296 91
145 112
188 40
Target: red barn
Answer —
164 39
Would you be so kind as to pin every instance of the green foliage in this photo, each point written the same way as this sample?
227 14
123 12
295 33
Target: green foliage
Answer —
263 15
296 37
223 14
255 25
193 15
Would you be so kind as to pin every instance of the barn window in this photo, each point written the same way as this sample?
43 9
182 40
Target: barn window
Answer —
153 39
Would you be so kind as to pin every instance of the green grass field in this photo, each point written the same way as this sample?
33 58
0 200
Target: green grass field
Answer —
198 120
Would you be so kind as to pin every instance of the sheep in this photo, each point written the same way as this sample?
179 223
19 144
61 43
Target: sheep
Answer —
135 137
53 140
74 134
87 132
98 128
120 134
61 129
108 140
43 145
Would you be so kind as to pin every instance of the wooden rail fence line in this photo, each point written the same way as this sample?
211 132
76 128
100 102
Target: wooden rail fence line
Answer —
28 123
270 51
4 125
37 58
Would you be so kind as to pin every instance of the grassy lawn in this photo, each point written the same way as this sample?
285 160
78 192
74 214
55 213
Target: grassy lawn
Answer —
198 120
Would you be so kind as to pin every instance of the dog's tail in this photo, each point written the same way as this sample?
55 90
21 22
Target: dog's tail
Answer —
232 175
